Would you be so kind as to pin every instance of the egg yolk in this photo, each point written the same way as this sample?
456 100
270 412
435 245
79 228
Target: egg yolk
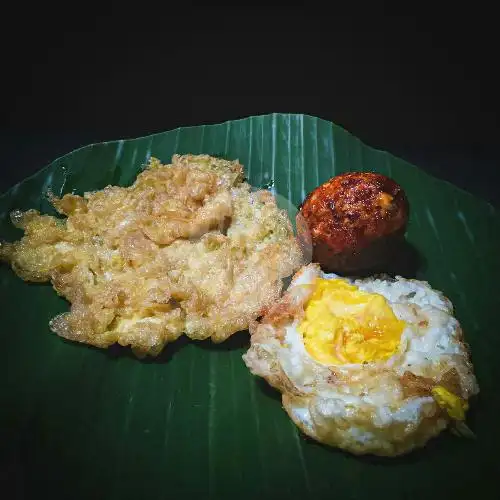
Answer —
454 406
343 324
385 200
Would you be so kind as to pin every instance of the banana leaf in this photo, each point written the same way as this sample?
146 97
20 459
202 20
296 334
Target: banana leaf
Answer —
78 422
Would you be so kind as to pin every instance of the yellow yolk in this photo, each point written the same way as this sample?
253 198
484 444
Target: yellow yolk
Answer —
385 200
343 324
454 406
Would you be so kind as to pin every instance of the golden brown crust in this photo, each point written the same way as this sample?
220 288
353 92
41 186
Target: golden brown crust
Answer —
290 306
391 441
282 383
450 380
415 385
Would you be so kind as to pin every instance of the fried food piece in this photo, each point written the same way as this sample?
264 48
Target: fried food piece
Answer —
187 248
371 366
353 221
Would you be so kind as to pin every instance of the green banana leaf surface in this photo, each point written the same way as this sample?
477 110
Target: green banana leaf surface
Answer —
79 422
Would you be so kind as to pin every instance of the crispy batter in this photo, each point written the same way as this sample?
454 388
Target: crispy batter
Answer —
187 248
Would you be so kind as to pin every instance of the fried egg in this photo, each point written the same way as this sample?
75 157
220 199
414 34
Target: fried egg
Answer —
375 365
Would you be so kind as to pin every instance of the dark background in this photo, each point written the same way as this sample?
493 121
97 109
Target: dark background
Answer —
422 86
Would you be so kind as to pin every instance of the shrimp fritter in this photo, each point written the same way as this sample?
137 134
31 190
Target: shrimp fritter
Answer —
188 248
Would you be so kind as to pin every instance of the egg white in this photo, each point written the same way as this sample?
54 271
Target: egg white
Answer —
363 408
